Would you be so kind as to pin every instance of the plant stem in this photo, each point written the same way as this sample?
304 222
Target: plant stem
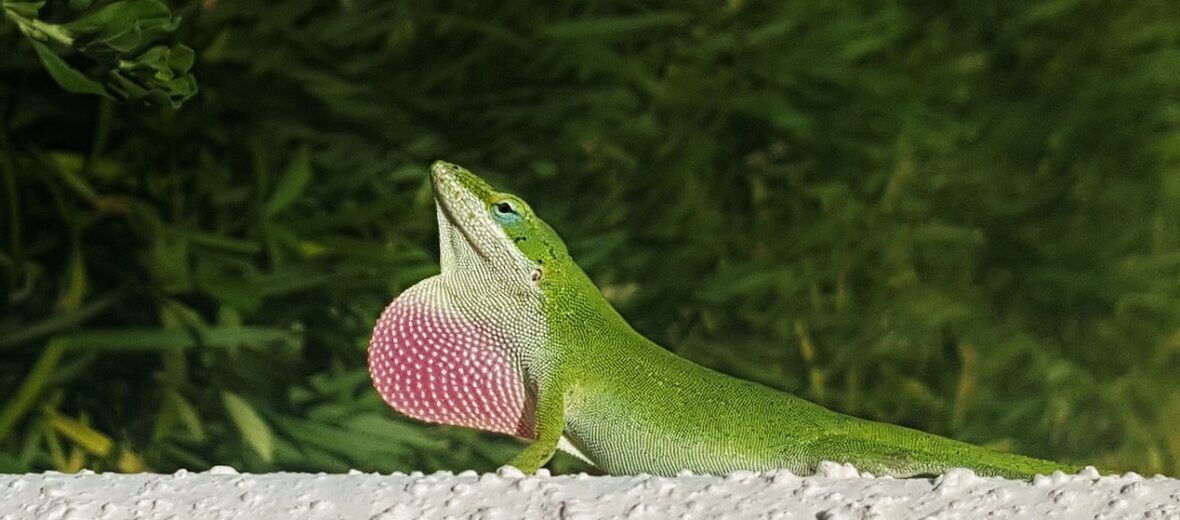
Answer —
39 30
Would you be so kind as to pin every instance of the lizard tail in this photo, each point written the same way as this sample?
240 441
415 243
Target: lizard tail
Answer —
885 449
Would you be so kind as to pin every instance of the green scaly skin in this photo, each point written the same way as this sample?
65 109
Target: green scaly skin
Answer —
606 393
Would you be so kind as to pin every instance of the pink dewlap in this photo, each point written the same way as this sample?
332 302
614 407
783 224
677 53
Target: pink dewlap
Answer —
440 367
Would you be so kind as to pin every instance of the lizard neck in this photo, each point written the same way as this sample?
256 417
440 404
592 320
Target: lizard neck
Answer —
580 318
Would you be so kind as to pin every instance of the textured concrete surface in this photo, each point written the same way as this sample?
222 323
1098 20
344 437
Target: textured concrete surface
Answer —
837 492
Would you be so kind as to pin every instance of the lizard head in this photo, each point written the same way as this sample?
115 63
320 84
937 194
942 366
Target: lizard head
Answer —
493 236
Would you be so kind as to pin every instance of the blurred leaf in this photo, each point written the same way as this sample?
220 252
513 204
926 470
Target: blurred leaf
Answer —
176 410
89 439
75 288
254 430
24 8
292 184
189 418
57 322
68 77
129 462
23 399
123 26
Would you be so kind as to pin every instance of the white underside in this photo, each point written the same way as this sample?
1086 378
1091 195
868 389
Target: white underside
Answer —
565 445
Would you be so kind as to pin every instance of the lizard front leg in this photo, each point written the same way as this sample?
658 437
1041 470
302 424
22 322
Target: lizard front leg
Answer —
550 423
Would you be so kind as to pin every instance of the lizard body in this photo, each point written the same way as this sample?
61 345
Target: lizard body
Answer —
513 337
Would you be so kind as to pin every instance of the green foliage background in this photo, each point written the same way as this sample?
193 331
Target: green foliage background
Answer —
963 218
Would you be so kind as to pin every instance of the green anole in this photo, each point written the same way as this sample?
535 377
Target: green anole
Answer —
513 337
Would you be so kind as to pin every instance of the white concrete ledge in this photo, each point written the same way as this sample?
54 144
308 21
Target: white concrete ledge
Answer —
837 492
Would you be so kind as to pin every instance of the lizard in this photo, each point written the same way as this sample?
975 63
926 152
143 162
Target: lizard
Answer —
513 337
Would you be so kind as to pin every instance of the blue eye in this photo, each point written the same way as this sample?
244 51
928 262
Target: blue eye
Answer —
504 212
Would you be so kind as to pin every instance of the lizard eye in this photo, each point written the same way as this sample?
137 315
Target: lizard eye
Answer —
505 212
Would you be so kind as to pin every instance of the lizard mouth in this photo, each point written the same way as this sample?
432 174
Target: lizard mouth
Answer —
440 199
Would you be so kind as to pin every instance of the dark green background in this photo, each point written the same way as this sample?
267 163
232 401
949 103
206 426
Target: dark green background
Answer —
959 216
